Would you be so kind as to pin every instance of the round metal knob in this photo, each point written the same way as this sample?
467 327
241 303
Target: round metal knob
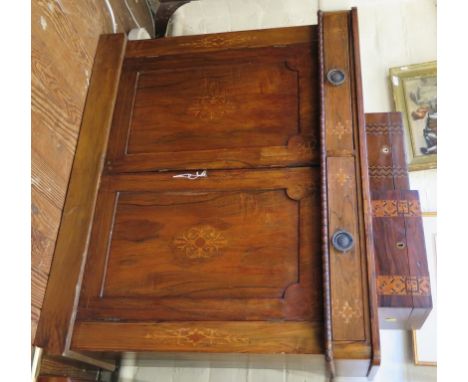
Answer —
336 77
342 240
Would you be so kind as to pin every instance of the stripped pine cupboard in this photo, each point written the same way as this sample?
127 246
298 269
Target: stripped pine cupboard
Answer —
220 203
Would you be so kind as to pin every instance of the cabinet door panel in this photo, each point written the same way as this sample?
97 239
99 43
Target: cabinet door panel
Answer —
252 105
210 244
233 109
239 244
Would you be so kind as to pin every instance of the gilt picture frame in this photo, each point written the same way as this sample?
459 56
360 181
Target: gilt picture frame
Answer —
415 96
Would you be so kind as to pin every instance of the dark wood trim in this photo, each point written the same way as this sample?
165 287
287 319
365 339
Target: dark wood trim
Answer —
63 289
328 338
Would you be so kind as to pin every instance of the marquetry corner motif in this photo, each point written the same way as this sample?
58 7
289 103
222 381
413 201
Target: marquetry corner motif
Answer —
200 242
340 129
397 285
214 103
347 310
342 178
198 337
393 208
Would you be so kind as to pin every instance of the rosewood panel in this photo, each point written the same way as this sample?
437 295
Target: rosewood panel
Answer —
255 105
386 155
240 108
218 42
202 337
403 285
235 245
402 270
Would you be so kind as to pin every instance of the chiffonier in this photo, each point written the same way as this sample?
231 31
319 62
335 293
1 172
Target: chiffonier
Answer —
219 203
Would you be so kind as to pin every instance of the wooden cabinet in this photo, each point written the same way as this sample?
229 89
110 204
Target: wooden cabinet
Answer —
218 171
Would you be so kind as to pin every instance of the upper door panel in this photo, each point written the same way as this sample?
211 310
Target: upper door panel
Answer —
237 108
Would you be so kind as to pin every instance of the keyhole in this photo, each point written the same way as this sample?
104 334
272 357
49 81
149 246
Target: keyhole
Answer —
400 245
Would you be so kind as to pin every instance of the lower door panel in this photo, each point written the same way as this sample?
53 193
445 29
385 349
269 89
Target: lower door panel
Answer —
237 247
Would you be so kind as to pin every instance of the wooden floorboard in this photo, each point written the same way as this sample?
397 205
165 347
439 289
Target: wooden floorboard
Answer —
64 36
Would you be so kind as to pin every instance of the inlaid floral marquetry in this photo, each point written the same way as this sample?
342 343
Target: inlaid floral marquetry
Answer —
198 337
339 130
213 104
218 41
200 242
342 178
394 208
348 310
397 285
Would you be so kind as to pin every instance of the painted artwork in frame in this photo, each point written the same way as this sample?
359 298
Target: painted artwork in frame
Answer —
415 95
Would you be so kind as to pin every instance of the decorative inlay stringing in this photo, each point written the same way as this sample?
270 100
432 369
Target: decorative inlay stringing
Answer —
398 285
347 311
387 172
380 129
394 208
197 337
200 242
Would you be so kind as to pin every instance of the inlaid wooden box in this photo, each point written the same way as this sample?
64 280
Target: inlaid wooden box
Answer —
402 273
220 203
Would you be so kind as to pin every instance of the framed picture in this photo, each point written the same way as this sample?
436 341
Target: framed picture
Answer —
415 95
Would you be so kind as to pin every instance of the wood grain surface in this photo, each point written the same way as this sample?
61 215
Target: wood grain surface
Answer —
353 307
264 99
64 39
64 281
402 275
237 245
212 337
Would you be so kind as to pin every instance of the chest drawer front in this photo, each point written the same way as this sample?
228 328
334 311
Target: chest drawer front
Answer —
345 266
339 120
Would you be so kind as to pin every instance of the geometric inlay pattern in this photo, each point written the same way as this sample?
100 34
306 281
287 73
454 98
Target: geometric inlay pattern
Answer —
398 285
395 208
388 172
381 129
